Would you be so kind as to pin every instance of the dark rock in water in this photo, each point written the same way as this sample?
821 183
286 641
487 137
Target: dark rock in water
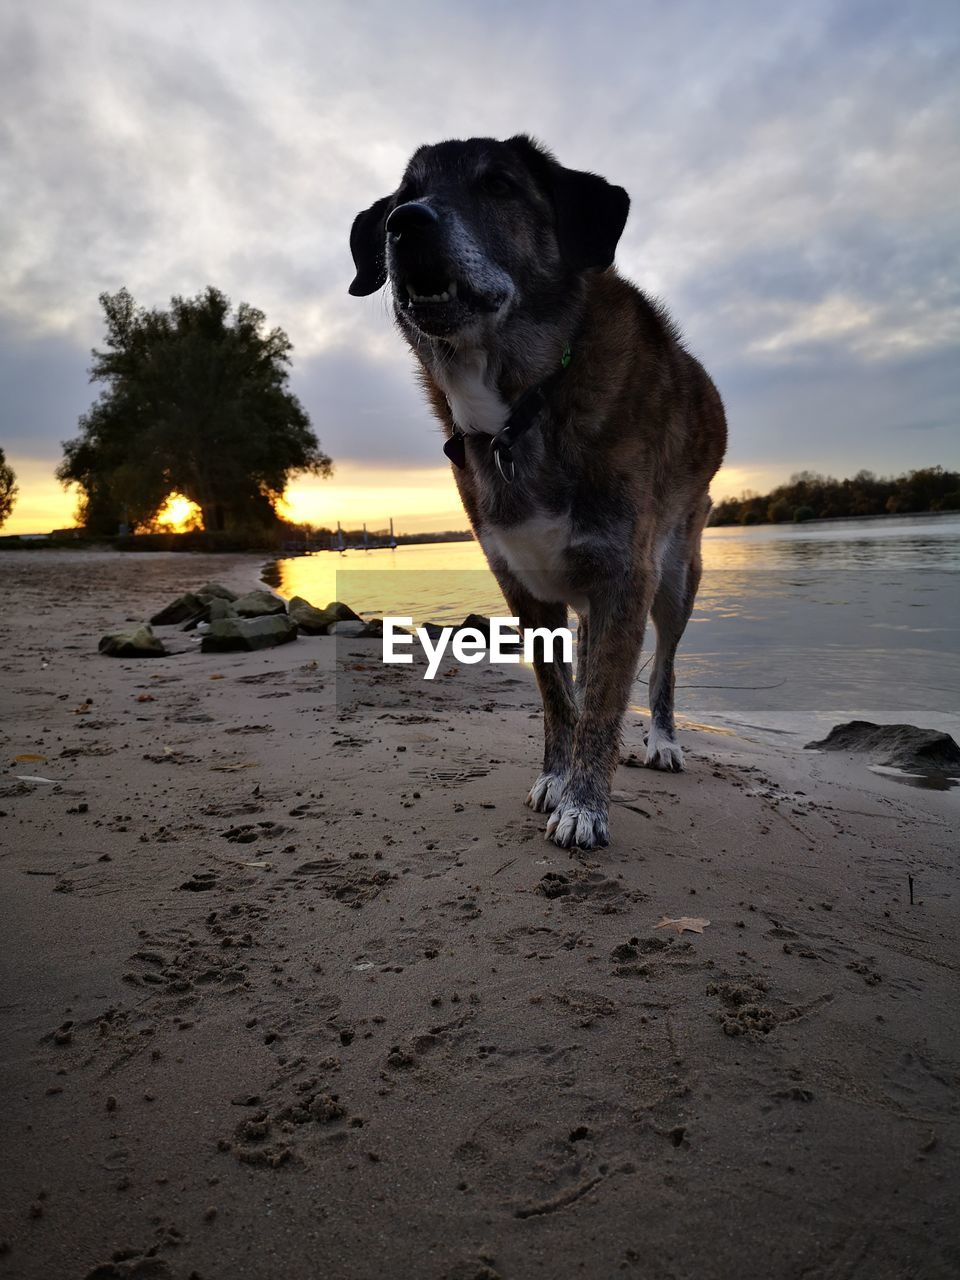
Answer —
901 746
216 589
434 630
372 630
311 620
140 642
259 604
182 609
228 635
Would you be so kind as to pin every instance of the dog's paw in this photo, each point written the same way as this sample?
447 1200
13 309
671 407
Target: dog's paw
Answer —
545 792
578 824
663 752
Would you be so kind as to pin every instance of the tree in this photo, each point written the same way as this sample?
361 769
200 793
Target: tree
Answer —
8 489
195 402
808 496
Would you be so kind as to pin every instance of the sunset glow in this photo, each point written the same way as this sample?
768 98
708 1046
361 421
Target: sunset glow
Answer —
420 499
178 514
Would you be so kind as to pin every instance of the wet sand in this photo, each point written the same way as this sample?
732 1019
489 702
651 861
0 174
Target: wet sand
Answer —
293 986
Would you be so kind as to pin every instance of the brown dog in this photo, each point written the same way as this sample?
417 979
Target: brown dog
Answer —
583 434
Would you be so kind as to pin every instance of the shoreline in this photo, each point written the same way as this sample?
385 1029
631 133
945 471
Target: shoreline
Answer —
37 541
882 515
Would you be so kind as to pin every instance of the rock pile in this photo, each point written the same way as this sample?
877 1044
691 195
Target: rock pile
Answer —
257 620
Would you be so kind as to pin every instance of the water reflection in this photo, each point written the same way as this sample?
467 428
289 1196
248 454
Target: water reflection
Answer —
795 627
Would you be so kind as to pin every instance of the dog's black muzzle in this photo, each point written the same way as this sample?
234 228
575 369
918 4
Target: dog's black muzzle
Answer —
419 263
427 286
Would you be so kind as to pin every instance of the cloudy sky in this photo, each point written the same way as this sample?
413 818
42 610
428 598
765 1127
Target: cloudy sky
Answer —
794 169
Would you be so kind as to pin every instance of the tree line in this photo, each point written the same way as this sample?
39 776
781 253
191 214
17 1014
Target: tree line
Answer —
809 496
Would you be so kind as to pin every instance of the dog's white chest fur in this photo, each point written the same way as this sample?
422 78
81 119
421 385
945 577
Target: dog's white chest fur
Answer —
535 552
473 398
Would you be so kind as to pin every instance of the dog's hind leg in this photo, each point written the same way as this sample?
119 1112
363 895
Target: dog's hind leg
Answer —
555 680
670 612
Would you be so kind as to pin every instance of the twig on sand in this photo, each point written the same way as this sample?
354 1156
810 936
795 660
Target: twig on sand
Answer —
557 1202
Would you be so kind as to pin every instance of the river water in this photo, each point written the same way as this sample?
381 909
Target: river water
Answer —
796 627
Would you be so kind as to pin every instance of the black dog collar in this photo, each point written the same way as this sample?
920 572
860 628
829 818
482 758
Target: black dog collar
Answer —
524 415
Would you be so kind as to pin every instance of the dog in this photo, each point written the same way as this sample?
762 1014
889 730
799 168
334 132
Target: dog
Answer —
582 434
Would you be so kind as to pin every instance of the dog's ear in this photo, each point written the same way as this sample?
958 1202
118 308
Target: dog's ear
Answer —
591 215
368 246
591 212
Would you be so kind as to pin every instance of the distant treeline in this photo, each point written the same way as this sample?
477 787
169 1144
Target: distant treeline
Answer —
809 496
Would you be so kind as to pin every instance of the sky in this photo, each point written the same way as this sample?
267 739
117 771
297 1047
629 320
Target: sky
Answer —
794 172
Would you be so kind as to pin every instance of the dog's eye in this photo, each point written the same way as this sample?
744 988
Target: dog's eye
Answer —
497 184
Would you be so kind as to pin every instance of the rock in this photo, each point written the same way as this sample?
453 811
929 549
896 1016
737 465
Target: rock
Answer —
478 622
372 630
140 642
220 608
259 604
342 612
311 620
348 628
322 622
215 610
902 746
230 634
183 608
217 590
434 630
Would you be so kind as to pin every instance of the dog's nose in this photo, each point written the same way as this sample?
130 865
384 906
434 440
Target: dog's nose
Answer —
412 218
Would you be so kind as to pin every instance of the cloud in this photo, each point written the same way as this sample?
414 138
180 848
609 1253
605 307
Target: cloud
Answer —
794 171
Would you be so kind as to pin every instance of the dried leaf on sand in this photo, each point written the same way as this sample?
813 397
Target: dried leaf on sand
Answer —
690 924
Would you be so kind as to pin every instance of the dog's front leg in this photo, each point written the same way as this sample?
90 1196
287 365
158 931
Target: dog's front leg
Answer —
555 680
616 624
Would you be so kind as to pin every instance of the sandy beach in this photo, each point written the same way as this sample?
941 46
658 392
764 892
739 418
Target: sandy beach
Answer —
293 986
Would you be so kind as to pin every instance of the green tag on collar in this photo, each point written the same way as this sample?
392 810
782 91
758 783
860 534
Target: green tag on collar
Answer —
566 358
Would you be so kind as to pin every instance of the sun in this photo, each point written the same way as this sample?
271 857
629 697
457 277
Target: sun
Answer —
178 514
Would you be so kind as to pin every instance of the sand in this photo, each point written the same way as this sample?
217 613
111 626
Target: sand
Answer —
294 987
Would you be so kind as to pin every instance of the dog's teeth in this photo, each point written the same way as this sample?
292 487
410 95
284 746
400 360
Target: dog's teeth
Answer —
430 297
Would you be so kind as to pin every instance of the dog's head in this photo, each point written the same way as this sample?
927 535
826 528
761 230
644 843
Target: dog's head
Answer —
477 227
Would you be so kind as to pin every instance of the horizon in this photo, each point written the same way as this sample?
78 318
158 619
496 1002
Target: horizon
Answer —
794 182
